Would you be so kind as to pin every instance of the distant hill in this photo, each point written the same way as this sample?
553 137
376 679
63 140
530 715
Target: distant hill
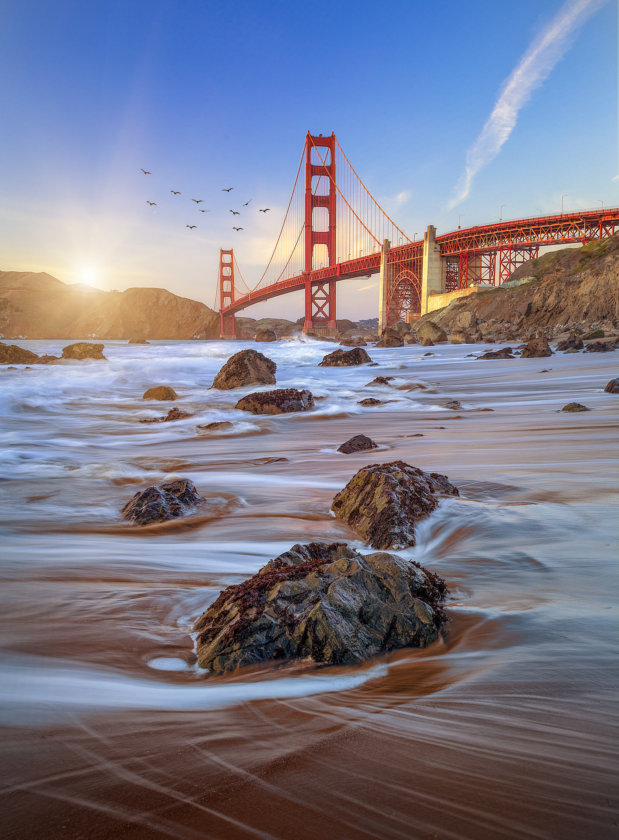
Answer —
40 306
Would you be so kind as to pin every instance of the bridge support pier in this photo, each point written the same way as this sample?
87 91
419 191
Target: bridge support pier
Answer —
432 278
383 287
320 308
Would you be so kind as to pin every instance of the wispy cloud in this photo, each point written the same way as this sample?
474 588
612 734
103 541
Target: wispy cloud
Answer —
615 178
369 286
536 65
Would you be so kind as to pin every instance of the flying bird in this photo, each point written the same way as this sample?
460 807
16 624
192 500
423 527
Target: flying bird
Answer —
203 211
228 190
247 202
197 200
266 210
145 171
152 203
239 228
235 212
175 192
191 227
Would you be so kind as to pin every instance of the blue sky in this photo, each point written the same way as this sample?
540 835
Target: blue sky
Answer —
212 94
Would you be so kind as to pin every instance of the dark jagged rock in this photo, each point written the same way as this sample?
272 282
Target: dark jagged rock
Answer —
162 502
248 367
370 401
454 405
391 338
322 601
380 380
173 414
138 341
574 406
382 502
160 392
574 342
11 354
216 425
612 387
83 350
265 334
600 347
536 348
357 443
503 353
345 358
281 401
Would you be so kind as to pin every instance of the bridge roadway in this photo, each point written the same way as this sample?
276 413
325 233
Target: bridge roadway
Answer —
564 228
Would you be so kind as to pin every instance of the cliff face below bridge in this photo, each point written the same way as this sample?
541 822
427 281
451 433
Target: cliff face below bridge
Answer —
573 287
40 306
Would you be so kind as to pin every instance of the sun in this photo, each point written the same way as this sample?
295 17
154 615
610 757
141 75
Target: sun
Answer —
87 275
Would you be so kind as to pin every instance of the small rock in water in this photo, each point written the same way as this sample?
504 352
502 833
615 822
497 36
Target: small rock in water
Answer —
357 443
380 380
280 401
536 348
162 502
382 502
454 405
600 347
346 358
138 341
216 425
160 392
83 350
265 334
612 387
370 401
574 342
503 353
173 414
322 601
247 367
574 406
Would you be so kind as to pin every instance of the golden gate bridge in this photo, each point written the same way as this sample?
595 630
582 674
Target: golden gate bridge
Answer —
334 230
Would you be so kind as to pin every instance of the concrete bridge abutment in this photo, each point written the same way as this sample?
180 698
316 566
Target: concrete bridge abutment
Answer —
433 270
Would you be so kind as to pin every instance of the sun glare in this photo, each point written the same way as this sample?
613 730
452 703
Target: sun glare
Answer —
87 276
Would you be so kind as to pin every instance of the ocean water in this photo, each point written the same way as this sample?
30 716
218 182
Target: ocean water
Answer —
505 728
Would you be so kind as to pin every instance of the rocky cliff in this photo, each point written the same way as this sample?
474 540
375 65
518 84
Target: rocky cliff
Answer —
40 306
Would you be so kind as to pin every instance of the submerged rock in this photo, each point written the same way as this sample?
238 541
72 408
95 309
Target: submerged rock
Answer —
248 367
358 443
382 502
280 401
160 392
173 414
612 387
536 348
216 425
322 601
574 406
346 358
11 354
83 350
162 502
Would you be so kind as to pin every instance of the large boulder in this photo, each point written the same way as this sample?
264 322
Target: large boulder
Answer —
161 502
160 392
358 443
11 354
428 329
322 601
536 348
248 367
345 358
391 338
83 350
280 401
612 387
382 502
265 334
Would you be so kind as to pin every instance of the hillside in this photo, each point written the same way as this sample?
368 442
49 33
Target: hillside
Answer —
570 288
40 306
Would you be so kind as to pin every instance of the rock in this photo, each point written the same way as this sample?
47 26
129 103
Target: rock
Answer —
410 338
454 405
612 387
460 337
138 341
382 502
11 354
216 425
248 367
281 401
599 347
380 380
345 358
428 329
83 350
322 601
357 341
503 353
160 392
401 328
593 334
48 360
465 320
574 406
370 401
173 414
265 335
536 348
358 443
162 502
426 342
390 338
574 342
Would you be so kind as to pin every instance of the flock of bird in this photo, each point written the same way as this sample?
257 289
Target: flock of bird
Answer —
199 201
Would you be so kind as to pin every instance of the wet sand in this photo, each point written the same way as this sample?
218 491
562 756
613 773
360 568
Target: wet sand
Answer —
507 728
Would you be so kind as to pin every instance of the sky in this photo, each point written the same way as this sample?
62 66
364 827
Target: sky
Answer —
452 113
